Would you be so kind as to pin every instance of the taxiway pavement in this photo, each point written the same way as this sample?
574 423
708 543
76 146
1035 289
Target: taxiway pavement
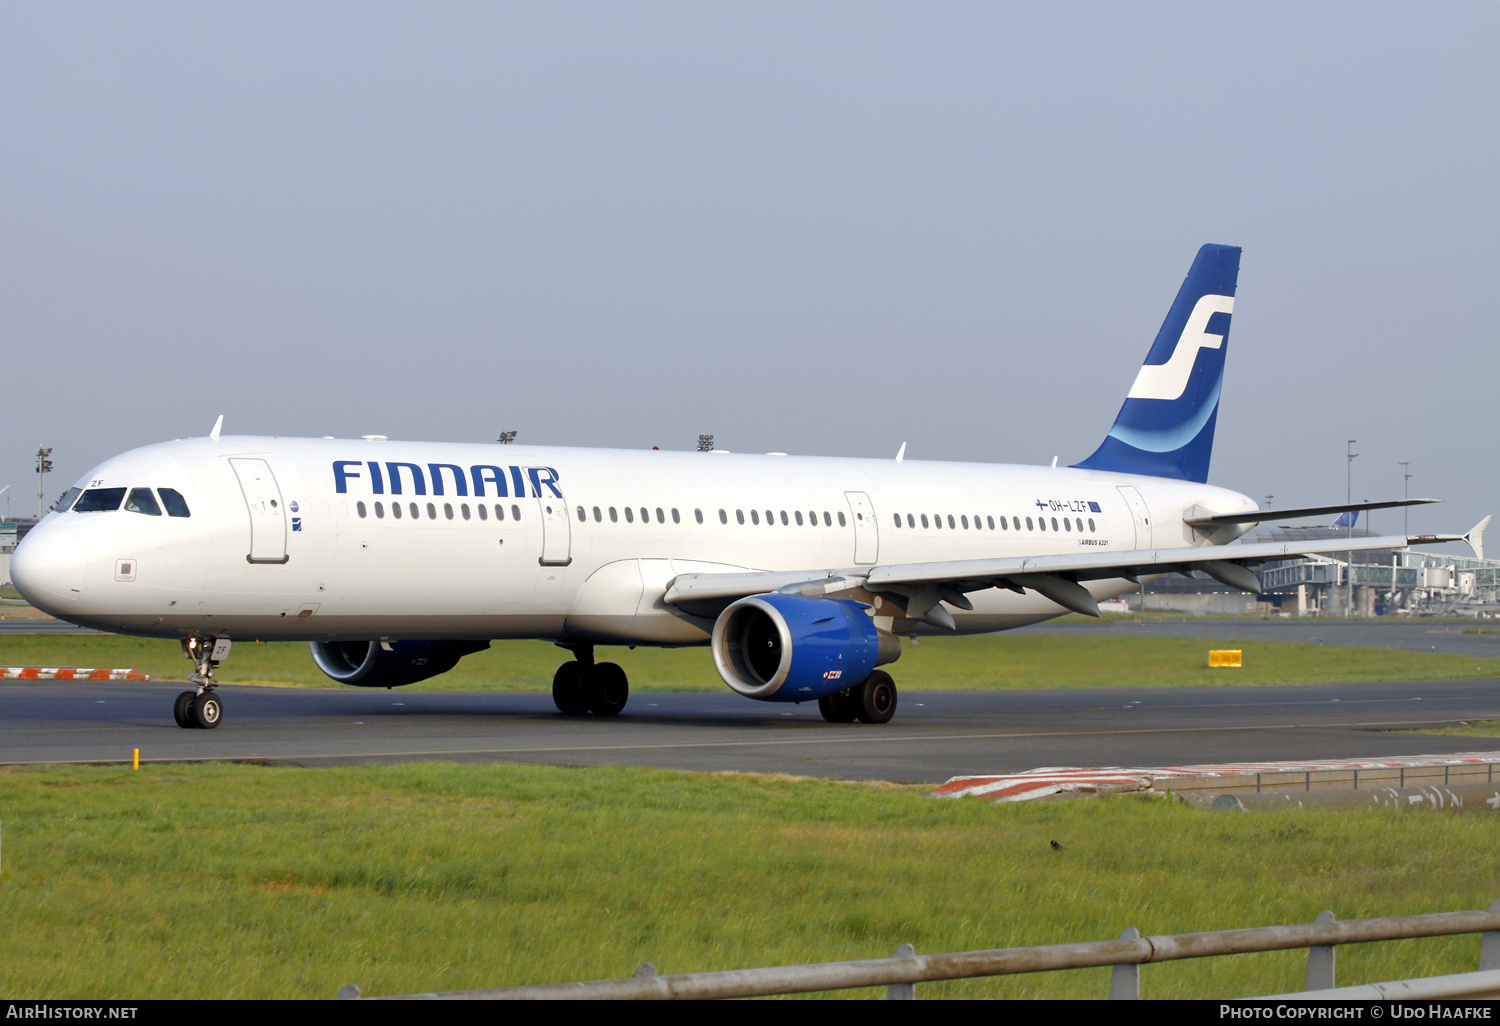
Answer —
936 735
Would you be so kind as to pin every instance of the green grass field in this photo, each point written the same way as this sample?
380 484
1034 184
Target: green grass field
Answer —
1017 660
259 882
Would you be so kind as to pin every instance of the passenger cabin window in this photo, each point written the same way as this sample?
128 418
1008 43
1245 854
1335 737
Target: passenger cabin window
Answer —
465 508
395 510
842 521
484 511
359 507
1091 525
614 518
629 515
755 516
172 499
379 511
898 519
677 519
660 518
598 516
515 512
142 501
582 515
447 511
739 515
100 500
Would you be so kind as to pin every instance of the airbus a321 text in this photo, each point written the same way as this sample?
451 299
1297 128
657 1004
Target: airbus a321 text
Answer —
394 560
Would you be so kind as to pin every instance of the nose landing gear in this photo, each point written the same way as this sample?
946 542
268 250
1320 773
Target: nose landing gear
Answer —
584 686
201 708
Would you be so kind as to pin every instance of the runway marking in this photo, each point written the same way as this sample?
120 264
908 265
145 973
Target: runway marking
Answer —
721 744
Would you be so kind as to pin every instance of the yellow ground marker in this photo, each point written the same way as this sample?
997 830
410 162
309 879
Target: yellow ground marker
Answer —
1226 657
136 762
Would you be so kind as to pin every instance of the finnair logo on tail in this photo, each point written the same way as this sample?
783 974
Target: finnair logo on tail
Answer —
1169 380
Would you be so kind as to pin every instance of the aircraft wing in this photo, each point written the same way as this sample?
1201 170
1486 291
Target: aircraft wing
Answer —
1298 513
1057 577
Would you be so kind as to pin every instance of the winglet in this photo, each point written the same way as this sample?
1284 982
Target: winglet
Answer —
1475 537
214 434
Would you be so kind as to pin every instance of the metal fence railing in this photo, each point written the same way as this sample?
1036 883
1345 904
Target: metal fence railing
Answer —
900 973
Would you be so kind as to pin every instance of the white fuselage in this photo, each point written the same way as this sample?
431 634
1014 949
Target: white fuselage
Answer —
286 555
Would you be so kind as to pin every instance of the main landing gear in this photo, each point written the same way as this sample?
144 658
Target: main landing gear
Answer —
583 685
201 708
874 701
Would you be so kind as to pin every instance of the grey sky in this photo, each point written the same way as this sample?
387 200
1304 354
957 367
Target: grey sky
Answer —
812 227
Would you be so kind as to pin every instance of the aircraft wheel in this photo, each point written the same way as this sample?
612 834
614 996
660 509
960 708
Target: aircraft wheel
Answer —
208 712
570 689
182 709
838 707
877 698
609 690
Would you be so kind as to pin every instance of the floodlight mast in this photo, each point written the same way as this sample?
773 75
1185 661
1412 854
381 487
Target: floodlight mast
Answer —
1350 455
43 467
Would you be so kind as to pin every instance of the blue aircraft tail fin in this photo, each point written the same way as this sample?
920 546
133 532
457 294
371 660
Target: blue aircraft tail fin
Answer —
1166 427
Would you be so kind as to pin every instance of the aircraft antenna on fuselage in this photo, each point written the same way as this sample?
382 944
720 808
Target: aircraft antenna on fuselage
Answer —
214 434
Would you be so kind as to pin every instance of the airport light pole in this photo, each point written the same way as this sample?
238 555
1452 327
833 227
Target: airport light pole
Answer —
1349 457
43 467
1405 466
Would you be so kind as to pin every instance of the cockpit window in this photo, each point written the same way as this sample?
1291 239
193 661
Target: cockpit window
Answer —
66 501
142 501
100 500
175 503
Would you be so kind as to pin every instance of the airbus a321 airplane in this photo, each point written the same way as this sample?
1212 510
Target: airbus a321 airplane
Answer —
393 560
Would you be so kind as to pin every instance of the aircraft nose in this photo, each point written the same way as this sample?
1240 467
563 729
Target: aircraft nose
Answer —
48 568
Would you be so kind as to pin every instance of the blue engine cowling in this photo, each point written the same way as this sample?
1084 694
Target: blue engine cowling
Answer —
789 648
374 664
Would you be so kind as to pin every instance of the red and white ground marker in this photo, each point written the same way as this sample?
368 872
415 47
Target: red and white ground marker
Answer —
68 673
1042 783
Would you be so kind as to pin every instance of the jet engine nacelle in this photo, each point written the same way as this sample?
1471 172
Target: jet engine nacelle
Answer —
790 648
374 664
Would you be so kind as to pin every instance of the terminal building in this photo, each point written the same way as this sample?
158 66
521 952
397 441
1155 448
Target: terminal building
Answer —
1388 582
12 530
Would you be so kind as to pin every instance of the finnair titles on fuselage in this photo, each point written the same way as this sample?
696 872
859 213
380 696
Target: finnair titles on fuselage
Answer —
396 559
